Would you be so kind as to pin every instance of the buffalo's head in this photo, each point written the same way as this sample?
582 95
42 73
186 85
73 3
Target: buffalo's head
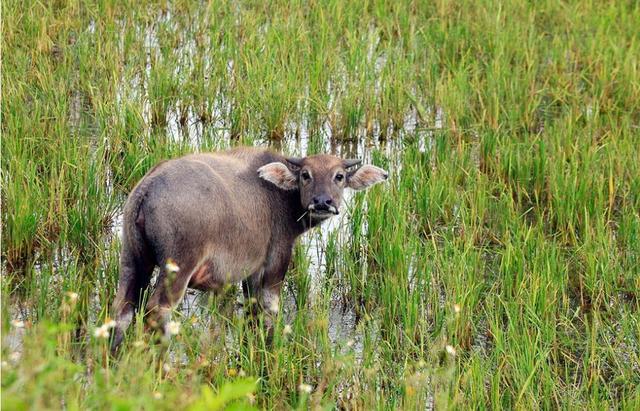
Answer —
321 180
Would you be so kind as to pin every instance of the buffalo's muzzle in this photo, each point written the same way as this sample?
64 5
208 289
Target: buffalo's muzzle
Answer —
323 210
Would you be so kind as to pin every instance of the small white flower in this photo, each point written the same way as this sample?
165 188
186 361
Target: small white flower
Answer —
17 323
14 356
241 373
157 395
450 350
166 367
287 330
274 307
73 297
5 364
109 323
350 343
172 328
171 266
456 308
305 388
138 344
101 332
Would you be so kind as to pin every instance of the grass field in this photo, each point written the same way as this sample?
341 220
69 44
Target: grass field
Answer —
498 268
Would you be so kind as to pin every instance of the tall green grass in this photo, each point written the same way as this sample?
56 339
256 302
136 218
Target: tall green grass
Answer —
498 268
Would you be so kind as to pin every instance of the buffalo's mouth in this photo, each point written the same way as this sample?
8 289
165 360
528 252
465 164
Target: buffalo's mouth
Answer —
322 212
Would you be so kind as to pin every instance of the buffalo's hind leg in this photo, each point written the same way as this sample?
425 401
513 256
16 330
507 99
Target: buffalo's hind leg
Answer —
170 288
135 275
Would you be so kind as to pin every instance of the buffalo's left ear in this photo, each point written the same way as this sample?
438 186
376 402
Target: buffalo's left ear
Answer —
366 176
279 174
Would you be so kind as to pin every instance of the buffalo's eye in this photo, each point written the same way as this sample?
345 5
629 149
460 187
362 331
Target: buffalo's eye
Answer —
305 175
339 177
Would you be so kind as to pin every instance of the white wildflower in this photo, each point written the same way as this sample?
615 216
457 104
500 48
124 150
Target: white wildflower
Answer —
456 308
287 330
101 332
350 343
138 344
14 356
166 367
450 350
157 395
109 323
171 266
172 328
17 323
305 388
274 307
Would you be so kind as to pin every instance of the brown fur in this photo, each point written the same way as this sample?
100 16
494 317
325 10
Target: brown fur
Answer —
221 217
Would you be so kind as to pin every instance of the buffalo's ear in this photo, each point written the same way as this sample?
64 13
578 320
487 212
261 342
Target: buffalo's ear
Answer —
279 174
366 176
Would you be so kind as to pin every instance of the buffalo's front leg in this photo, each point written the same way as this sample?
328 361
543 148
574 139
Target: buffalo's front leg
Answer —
262 289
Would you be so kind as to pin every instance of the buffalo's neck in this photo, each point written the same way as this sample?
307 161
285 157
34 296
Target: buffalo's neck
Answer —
297 218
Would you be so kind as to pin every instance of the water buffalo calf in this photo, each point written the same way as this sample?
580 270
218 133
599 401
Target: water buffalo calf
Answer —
211 219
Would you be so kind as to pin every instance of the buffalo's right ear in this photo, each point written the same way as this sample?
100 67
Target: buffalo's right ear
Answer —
279 174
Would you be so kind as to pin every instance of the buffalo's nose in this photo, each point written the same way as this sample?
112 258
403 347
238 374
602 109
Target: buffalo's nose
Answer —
322 202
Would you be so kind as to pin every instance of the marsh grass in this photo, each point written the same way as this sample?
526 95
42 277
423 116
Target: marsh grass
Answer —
498 268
